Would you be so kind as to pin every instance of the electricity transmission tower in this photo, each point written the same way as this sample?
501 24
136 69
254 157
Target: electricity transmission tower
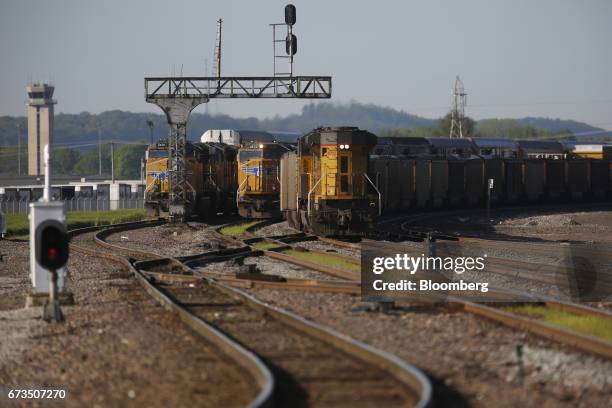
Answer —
458 102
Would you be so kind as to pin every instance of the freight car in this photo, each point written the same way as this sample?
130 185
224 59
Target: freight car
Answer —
325 186
495 148
586 150
541 149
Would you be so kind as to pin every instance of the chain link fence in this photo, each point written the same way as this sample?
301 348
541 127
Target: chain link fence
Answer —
75 204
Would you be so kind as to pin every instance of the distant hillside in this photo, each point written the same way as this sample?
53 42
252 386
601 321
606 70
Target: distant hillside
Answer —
81 130
557 125
128 126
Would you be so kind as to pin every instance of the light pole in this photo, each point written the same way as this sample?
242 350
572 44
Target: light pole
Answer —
112 153
99 150
490 185
19 148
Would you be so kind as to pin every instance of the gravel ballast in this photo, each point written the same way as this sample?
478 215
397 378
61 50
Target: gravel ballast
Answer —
118 347
472 360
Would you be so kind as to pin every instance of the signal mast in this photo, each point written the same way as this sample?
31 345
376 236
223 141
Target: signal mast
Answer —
178 96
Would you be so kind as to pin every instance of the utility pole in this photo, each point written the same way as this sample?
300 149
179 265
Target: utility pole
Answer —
99 150
112 154
19 148
459 98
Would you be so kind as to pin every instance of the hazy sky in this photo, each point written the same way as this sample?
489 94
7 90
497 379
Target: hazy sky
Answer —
516 57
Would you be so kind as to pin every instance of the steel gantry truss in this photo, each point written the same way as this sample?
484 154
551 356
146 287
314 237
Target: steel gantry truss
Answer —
178 96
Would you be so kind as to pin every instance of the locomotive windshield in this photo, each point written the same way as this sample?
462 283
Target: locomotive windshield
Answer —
158 153
273 151
249 154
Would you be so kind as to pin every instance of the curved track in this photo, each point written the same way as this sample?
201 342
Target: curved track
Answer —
500 266
309 364
95 246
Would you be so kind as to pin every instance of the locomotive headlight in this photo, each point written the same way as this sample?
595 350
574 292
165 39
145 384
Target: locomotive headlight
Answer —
346 147
261 146
342 147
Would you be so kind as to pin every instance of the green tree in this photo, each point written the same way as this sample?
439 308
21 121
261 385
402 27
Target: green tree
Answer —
127 160
444 125
411 132
63 160
515 129
88 164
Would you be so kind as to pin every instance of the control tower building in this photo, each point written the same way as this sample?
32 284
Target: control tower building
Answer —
40 125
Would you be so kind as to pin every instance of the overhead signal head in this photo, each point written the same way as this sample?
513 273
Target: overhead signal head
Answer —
290 14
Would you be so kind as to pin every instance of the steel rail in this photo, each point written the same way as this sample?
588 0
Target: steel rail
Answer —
251 363
346 287
402 371
244 240
556 333
559 334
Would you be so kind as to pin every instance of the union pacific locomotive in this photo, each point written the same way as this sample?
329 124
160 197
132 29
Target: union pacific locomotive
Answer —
325 187
259 180
211 178
227 171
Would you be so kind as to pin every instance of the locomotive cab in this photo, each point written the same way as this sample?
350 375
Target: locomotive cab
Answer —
258 177
334 195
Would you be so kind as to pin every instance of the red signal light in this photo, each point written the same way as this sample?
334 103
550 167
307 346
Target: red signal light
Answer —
52 254
51 244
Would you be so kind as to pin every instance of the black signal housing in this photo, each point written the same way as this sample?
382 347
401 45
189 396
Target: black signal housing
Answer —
291 44
290 14
51 248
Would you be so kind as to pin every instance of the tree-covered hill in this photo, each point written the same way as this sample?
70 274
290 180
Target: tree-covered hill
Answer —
76 146
81 130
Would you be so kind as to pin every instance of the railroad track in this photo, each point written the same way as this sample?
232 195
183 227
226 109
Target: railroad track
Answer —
580 260
89 241
275 247
581 341
293 361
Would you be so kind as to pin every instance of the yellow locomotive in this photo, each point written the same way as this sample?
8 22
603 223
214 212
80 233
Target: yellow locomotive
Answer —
325 185
257 195
211 178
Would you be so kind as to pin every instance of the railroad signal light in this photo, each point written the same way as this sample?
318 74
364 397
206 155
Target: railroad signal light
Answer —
290 14
51 253
291 44
51 245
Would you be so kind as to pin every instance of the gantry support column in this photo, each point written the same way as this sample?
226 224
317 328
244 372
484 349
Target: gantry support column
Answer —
177 110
